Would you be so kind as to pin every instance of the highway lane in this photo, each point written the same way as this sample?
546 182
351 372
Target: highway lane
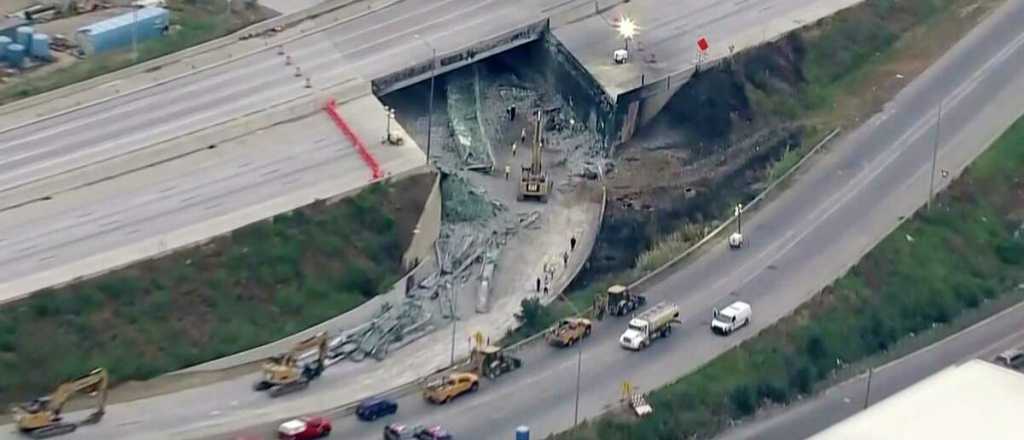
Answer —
167 198
666 42
395 36
850 198
177 414
985 340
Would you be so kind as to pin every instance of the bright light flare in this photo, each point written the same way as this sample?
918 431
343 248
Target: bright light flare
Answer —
627 27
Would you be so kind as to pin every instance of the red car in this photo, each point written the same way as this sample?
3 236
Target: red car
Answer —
305 428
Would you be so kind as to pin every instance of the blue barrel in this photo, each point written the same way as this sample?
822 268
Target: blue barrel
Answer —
16 55
523 433
23 35
4 42
40 46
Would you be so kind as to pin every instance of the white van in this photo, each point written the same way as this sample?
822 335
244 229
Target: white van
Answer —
731 318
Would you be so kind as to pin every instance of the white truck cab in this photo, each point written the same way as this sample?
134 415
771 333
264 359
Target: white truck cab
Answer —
655 322
731 318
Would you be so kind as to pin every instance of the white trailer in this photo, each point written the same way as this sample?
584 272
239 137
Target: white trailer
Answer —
655 322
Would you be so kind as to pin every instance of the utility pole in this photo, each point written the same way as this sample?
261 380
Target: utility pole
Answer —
867 393
135 38
935 157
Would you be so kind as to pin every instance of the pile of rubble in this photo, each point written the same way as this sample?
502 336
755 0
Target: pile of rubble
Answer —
391 328
472 145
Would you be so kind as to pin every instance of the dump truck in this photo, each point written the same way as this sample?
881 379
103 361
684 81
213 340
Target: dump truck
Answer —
655 322
41 418
620 301
442 390
533 180
283 374
568 332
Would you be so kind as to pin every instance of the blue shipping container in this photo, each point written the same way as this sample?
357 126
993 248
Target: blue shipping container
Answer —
116 33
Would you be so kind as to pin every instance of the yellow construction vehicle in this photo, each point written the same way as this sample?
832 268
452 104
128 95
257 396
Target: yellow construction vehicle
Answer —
490 361
568 332
41 418
282 374
533 180
442 390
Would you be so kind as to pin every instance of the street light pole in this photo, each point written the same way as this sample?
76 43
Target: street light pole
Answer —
135 26
579 368
452 304
867 393
430 105
935 157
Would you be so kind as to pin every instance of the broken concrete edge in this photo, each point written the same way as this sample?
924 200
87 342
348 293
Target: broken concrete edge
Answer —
92 83
656 274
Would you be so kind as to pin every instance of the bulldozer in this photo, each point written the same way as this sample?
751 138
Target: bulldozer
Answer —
619 301
490 361
283 374
533 180
41 418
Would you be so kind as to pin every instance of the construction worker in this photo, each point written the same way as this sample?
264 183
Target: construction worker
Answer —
522 136
572 243
512 113
508 171
513 149
538 284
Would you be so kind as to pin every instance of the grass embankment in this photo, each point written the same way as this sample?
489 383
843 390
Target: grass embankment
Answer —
261 283
934 268
192 22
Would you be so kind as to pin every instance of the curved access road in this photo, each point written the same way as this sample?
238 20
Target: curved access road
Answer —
846 201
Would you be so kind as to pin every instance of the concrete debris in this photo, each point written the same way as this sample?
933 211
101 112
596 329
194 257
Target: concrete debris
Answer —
391 325
473 147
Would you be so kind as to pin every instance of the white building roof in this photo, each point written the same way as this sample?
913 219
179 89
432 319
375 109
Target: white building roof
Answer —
975 400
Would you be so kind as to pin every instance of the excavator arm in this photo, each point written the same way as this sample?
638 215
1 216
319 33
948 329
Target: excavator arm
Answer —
42 417
282 373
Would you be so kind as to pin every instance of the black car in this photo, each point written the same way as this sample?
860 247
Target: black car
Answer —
376 408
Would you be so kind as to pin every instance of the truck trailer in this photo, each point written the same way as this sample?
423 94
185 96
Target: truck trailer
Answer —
655 322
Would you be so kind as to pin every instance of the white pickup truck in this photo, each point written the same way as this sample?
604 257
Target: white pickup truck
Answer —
655 322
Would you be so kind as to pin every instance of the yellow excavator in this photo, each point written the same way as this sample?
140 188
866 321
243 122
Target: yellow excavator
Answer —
41 418
282 374
533 180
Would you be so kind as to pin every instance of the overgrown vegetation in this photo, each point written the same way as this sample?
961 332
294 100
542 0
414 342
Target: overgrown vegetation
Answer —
263 282
194 22
786 96
967 251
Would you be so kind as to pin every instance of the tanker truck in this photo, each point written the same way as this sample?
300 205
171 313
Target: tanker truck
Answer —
655 322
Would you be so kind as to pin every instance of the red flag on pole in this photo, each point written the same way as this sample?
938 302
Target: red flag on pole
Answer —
702 44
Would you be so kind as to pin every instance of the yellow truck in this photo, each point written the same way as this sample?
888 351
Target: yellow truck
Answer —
568 332
450 386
